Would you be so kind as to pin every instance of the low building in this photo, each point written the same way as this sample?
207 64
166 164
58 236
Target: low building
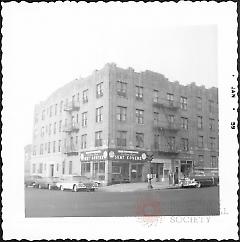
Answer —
104 126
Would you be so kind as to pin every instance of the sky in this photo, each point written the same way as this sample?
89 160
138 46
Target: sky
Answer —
49 45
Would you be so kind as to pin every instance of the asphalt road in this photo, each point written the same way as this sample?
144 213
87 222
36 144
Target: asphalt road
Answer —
171 202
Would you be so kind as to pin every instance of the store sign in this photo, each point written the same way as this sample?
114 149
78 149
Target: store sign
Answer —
95 155
127 155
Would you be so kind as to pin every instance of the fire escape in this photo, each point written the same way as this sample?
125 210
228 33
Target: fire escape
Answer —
166 129
69 129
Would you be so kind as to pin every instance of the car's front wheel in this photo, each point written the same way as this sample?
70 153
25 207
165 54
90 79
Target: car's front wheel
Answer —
198 185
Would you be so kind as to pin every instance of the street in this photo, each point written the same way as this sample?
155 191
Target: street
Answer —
174 202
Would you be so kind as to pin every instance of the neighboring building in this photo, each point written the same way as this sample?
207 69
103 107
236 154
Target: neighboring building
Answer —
27 159
103 126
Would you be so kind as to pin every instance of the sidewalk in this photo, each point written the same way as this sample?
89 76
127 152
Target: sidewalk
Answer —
132 187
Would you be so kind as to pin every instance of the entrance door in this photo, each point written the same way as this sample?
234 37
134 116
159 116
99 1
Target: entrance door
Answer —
136 172
51 170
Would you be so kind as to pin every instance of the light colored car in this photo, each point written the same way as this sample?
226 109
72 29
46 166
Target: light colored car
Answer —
188 182
76 183
47 182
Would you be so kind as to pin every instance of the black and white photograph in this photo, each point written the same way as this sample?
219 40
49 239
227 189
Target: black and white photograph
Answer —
119 119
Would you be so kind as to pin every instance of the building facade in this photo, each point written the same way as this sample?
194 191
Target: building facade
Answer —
27 159
104 126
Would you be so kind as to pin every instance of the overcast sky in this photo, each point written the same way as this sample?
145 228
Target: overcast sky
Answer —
48 45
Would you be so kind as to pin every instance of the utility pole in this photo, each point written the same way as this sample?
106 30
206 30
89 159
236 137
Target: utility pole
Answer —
149 175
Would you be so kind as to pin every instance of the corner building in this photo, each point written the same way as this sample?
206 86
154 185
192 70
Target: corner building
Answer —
104 126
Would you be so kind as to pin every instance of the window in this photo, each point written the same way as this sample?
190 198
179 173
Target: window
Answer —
40 169
42 131
49 129
199 122
139 140
184 143
139 116
155 118
183 103
121 138
43 114
50 114
211 124
170 98
212 143
84 119
99 90
210 106
121 113
85 168
171 143
56 109
49 147
84 141
98 138
70 167
59 145
85 96
60 126
139 93
76 140
201 160
155 96
54 128
184 123
214 163
54 146
61 106
63 167
199 103
171 119
41 149
200 141
99 114
122 88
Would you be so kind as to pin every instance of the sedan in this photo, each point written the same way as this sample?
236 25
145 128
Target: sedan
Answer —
76 183
47 182
206 179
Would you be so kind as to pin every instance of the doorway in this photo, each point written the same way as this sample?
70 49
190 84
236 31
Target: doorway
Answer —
51 170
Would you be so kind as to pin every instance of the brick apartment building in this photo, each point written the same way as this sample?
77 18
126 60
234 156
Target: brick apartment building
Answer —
104 126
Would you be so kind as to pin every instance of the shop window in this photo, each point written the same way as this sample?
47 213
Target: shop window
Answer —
85 168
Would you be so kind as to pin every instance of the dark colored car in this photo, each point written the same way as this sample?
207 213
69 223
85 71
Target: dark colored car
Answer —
31 181
206 179
47 182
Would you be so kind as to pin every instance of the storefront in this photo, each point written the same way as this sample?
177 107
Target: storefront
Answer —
114 165
161 169
127 165
93 164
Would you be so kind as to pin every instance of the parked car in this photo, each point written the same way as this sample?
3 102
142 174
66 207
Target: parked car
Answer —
206 179
31 181
188 182
76 183
47 182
